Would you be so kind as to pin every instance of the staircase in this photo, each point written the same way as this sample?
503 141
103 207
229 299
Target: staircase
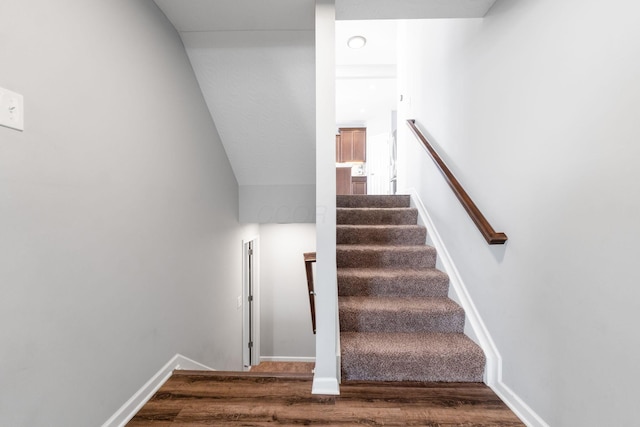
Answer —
396 321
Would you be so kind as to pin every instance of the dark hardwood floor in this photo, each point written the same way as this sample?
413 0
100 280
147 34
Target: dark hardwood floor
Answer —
194 398
290 367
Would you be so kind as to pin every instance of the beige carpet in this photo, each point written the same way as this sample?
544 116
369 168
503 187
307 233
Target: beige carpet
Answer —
396 320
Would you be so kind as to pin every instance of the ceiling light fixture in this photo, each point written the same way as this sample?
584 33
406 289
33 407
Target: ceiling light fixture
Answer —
356 42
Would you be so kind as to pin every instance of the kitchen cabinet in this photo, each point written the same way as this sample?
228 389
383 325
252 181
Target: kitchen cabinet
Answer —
351 145
343 180
359 185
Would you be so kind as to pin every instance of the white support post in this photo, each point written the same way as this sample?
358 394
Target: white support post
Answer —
325 380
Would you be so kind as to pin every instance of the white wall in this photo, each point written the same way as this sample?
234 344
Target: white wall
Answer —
535 109
285 320
278 203
120 244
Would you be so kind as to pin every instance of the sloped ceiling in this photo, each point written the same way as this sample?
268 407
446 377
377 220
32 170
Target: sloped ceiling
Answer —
234 15
260 89
255 65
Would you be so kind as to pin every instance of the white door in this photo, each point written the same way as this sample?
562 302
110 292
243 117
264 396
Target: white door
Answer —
378 162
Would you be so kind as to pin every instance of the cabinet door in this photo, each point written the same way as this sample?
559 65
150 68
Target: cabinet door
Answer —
343 180
352 145
338 150
359 185
346 146
359 146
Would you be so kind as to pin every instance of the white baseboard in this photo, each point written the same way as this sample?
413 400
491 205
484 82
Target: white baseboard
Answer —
142 396
493 371
287 359
518 406
325 385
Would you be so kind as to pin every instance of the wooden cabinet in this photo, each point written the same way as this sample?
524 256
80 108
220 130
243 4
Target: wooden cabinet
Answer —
359 185
347 184
351 145
343 180
359 145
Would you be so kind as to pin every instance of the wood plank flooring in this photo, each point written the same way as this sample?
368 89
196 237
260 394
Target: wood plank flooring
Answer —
291 367
196 398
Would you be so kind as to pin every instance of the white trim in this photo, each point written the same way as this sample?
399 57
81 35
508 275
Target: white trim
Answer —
326 370
287 359
493 371
326 385
494 362
127 411
518 406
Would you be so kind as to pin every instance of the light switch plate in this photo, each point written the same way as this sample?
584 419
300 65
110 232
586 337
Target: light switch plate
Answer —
11 109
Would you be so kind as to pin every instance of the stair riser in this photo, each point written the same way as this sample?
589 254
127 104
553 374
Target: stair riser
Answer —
377 216
370 201
381 321
357 286
381 236
387 283
455 368
410 357
424 257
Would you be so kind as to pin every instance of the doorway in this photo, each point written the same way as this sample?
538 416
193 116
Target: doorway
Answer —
251 303
367 94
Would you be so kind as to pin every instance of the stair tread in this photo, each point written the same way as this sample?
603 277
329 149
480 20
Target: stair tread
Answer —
392 282
403 234
426 356
400 314
378 248
421 305
376 200
392 272
371 216
375 209
381 226
350 256
403 343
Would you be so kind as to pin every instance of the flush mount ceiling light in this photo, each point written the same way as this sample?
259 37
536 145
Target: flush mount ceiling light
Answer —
356 42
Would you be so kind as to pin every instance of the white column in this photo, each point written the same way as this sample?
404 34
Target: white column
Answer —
325 380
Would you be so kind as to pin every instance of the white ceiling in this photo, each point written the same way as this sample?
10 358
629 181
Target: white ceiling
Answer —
411 9
234 15
255 62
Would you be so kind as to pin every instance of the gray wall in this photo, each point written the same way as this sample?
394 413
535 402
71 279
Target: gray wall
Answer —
119 239
535 108
285 319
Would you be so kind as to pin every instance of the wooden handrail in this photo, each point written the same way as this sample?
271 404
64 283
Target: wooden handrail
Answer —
310 257
491 236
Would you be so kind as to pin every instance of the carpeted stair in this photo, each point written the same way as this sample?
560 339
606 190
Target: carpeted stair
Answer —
396 321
